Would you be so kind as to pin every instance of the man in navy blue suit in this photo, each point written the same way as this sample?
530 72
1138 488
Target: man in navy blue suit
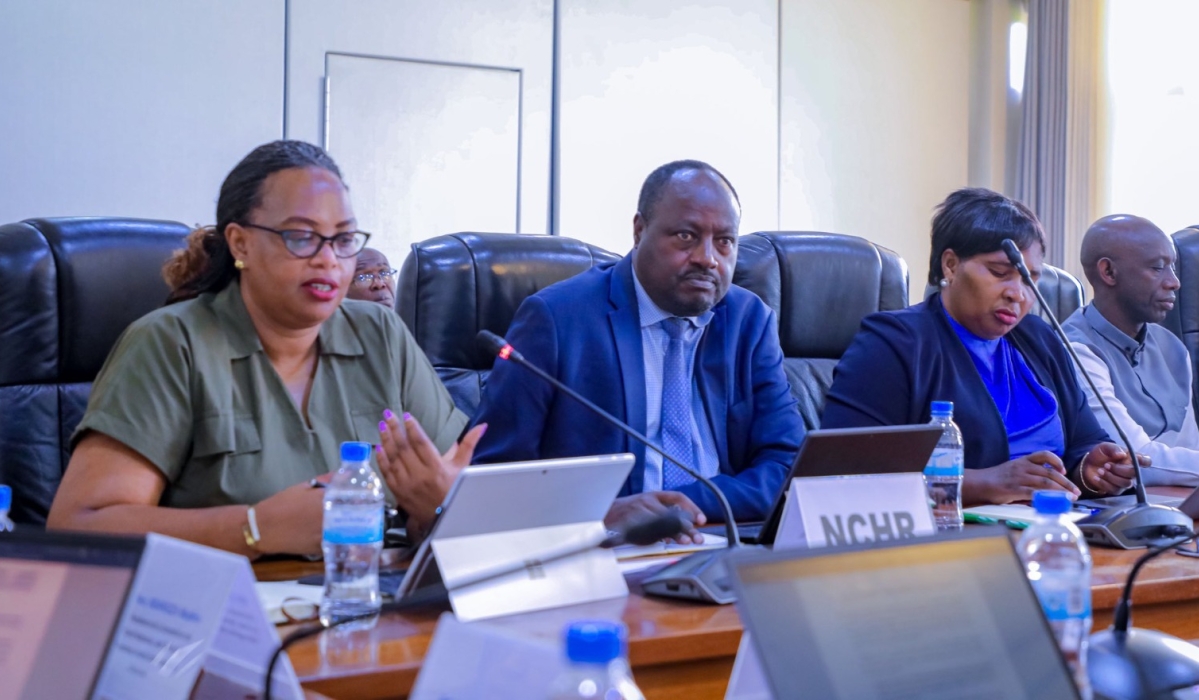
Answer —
663 341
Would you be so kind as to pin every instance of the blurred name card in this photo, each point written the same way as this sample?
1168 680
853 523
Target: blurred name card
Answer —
191 610
831 511
476 660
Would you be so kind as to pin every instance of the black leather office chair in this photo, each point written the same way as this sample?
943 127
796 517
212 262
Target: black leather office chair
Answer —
821 286
453 286
1062 291
71 287
1183 319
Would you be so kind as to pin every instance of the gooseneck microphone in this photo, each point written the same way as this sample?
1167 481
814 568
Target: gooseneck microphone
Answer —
499 347
641 533
1126 662
700 576
1128 527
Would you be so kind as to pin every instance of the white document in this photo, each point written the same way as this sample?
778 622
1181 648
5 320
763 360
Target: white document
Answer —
658 549
839 510
466 661
1016 513
190 608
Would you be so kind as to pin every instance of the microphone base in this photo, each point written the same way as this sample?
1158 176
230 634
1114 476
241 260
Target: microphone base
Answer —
1136 526
701 576
1140 663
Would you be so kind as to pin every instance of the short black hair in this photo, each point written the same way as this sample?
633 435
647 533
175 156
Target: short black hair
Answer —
654 185
974 221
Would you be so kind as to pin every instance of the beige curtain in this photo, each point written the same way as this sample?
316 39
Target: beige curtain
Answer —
1087 136
1061 158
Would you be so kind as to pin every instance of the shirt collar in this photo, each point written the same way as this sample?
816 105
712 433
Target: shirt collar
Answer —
651 314
971 341
1128 346
337 336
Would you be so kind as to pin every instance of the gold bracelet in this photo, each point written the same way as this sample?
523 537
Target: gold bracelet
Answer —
250 530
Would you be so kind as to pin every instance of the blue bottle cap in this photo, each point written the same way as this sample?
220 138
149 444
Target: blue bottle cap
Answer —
355 451
1051 502
594 641
5 497
942 408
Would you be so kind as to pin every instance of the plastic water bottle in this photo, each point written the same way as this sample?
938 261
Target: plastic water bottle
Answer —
1058 564
597 668
353 537
943 475
5 504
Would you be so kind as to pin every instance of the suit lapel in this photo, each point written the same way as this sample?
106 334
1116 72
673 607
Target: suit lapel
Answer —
964 363
713 388
625 322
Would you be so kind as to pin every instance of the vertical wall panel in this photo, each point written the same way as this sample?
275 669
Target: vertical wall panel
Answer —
499 33
420 136
132 108
644 83
875 118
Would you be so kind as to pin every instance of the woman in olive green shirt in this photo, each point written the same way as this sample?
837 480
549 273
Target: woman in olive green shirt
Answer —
212 414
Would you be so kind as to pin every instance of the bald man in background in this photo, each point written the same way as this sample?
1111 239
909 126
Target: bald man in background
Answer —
374 279
1141 369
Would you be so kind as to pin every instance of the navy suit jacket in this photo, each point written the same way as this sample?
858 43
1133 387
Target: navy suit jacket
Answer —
902 361
586 331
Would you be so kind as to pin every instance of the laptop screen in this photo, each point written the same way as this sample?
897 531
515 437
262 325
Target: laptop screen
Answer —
950 617
60 598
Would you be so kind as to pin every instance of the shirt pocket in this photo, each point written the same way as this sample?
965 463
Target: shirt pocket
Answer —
226 434
366 425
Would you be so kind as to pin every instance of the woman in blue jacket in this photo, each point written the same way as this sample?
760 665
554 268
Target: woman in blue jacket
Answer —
1024 419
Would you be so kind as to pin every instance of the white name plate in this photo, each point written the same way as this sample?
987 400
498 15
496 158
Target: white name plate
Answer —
477 660
191 609
831 511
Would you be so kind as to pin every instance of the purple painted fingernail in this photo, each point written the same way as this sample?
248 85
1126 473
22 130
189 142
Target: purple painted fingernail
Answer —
407 415
387 414
382 427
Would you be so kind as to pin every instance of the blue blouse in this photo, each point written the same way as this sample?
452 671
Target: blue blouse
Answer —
1029 410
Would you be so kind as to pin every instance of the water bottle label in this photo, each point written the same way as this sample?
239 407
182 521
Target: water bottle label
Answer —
1061 600
944 462
354 524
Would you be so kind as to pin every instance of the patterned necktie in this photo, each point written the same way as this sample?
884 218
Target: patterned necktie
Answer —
675 423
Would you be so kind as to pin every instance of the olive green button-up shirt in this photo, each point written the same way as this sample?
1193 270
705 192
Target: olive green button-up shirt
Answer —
190 388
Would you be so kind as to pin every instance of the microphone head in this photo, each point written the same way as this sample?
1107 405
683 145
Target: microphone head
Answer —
657 528
490 342
1014 256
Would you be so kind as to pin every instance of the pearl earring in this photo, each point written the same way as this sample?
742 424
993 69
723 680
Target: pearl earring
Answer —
944 282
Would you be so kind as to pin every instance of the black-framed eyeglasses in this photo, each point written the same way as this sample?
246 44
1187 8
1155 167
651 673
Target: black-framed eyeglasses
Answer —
306 244
366 279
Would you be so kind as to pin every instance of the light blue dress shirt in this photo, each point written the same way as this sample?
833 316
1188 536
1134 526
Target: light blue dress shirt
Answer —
653 349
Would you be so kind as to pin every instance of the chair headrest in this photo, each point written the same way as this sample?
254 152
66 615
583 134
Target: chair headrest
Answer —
821 285
453 286
28 307
109 274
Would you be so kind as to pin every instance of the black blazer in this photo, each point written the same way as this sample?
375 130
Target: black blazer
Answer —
902 361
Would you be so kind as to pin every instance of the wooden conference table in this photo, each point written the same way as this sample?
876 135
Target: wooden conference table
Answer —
677 649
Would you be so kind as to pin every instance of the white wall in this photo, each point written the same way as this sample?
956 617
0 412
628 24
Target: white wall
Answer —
645 83
874 118
133 108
